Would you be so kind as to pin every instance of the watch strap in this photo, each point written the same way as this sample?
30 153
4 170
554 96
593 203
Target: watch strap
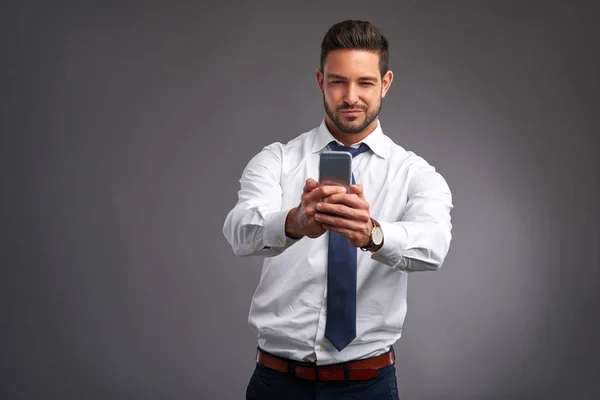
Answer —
370 245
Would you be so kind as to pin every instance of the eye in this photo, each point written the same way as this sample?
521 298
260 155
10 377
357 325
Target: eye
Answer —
335 82
367 84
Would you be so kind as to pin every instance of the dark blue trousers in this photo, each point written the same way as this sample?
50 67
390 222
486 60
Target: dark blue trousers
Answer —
268 384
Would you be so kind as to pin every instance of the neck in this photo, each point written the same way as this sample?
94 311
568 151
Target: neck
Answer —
348 139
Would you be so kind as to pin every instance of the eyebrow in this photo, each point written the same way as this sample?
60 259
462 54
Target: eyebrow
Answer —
362 78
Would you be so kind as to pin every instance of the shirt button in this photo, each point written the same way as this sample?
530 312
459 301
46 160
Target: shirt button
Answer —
321 348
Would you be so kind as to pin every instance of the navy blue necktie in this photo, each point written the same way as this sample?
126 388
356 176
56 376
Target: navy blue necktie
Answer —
340 328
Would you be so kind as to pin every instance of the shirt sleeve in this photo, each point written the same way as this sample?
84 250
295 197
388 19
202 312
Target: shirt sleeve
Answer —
421 239
256 224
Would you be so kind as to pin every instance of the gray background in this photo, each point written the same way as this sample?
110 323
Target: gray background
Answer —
125 128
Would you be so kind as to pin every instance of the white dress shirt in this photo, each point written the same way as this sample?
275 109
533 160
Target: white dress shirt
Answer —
407 196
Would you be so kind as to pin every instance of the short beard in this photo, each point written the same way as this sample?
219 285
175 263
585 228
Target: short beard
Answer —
369 118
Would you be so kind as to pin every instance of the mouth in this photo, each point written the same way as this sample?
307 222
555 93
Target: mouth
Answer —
351 113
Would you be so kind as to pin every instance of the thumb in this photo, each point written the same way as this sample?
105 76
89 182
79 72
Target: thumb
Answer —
310 185
358 190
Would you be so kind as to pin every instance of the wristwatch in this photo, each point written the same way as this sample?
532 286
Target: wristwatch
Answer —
375 238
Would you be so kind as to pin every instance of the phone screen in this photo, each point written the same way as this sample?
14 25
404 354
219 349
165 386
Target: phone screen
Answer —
335 168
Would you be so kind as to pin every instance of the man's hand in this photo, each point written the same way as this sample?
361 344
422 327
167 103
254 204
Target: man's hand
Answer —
347 214
300 221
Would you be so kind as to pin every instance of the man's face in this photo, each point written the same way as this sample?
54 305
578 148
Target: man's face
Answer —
352 89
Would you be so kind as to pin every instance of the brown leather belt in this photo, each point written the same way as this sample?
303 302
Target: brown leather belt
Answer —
360 370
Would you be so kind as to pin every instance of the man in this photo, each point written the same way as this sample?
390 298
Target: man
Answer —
331 300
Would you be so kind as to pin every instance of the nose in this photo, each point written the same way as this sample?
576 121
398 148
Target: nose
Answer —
351 96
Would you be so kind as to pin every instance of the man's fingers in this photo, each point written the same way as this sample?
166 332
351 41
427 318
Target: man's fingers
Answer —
358 190
342 216
350 200
323 191
353 236
328 190
341 211
310 185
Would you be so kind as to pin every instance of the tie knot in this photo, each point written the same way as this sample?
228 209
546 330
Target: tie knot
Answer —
354 151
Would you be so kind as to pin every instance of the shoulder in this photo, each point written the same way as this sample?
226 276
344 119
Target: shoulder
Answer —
401 157
277 151
413 167
298 144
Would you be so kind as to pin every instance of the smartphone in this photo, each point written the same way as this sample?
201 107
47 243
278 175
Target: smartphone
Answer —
335 168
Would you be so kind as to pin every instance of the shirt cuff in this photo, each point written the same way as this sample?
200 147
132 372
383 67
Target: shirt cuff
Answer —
274 230
395 240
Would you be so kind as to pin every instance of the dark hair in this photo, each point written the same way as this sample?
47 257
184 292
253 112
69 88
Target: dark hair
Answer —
356 35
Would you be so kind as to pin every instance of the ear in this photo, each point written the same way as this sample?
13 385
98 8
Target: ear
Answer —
386 82
319 77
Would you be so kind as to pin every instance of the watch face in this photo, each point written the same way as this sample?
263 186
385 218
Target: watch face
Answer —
377 236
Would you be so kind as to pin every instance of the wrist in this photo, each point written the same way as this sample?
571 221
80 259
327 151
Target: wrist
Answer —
291 227
375 242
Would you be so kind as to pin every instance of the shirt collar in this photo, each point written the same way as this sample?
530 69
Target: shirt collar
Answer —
375 140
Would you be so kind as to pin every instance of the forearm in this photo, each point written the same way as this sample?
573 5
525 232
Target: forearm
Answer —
414 246
256 224
420 240
257 232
